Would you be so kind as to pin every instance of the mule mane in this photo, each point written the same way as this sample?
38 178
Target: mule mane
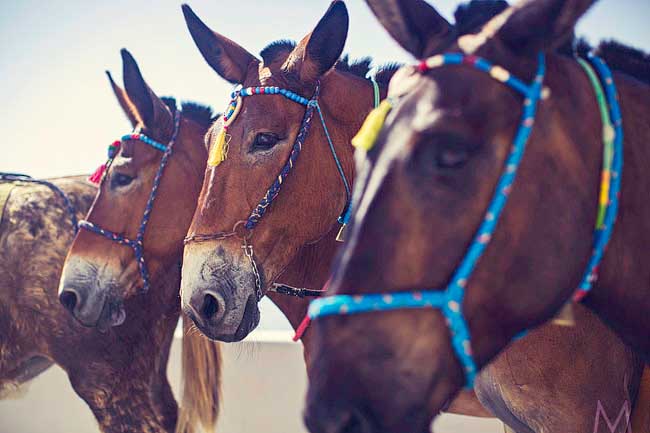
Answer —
201 114
471 16
276 50
626 59
620 57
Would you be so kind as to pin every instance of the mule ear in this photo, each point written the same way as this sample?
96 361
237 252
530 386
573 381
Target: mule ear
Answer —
150 109
123 99
535 25
320 50
226 57
414 24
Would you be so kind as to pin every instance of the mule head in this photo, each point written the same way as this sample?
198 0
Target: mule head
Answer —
219 284
99 275
423 191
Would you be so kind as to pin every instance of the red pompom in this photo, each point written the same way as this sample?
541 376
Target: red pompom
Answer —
96 177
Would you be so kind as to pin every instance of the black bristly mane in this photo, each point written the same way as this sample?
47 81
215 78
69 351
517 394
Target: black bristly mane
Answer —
626 59
201 114
359 67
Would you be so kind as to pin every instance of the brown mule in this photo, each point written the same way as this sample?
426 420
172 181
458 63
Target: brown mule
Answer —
316 261
295 240
35 330
100 280
417 208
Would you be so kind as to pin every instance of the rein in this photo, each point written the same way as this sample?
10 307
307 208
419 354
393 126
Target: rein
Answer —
450 300
219 153
137 244
17 177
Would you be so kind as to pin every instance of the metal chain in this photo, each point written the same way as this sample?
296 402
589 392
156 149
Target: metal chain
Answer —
248 250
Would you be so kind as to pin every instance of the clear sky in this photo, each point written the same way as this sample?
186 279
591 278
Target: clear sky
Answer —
59 113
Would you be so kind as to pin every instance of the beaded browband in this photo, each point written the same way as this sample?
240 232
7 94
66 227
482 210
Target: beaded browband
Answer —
219 151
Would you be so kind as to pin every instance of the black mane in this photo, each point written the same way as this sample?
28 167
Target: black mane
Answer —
626 59
201 114
471 16
273 50
358 67
620 57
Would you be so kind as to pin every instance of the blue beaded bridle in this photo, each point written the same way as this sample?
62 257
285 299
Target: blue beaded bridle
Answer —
450 300
243 229
137 244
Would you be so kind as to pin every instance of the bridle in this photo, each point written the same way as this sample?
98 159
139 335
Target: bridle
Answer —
450 300
137 244
219 151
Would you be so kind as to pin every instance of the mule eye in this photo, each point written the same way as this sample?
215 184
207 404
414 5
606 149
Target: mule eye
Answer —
120 180
265 141
451 158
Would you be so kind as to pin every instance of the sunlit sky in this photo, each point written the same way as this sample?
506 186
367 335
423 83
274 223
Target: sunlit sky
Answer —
59 113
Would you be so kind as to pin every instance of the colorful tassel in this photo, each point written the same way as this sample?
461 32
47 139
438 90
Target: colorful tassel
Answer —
367 135
219 151
96 177
113 148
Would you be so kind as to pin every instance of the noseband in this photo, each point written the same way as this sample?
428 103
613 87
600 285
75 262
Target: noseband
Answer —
450 300
219 152
137 244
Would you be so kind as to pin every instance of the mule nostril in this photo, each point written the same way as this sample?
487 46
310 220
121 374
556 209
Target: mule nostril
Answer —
68 299
210 306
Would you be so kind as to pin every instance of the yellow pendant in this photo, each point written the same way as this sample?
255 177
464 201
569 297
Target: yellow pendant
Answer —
219 150
367 135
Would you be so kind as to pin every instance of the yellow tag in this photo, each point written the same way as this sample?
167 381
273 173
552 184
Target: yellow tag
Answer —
367 135
219 150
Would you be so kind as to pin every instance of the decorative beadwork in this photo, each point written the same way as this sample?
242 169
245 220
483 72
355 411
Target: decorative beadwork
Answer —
143 138
450 300
219 151
137 244
611 174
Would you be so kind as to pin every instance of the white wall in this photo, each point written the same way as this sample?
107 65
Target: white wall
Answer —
264 386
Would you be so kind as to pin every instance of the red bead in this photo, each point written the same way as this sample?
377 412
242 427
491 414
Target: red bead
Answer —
422 66
470 60
262 90
579 295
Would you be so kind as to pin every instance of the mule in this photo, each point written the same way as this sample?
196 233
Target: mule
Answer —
100 283
434 167
228 183
35 330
